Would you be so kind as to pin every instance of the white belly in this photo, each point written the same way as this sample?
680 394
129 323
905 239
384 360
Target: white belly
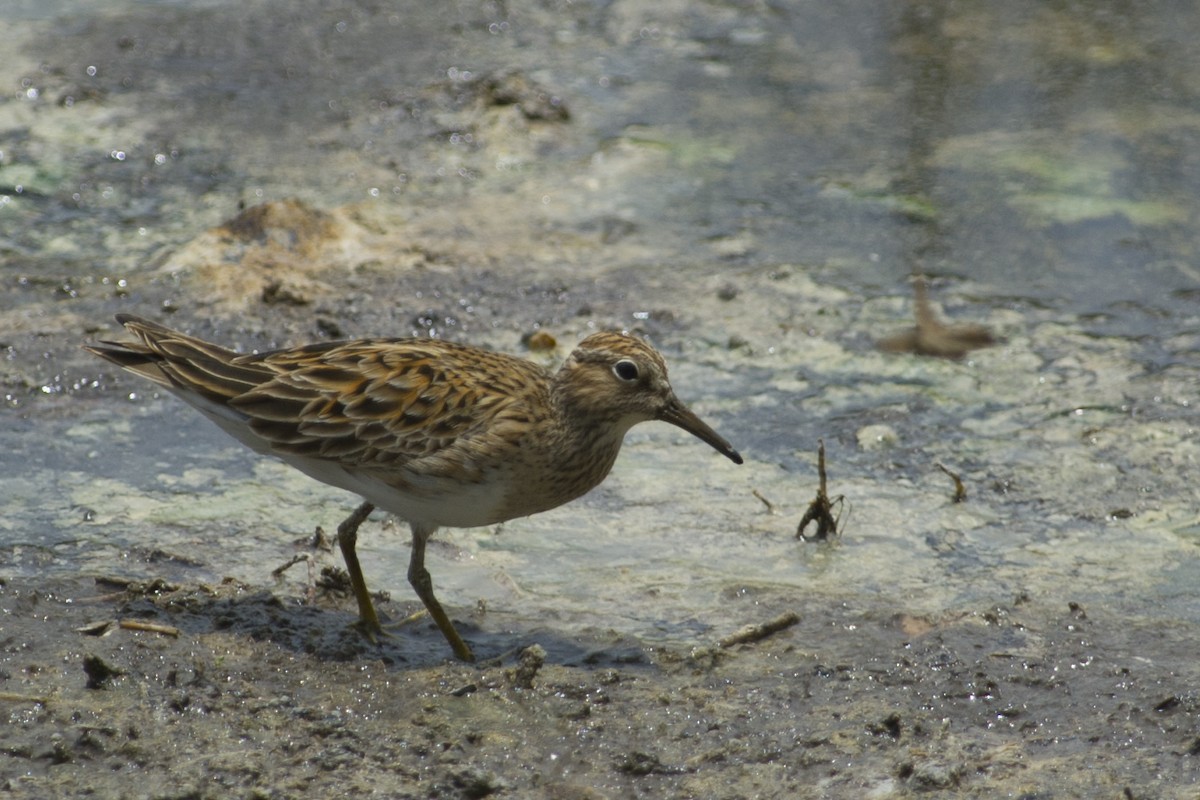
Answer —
428 504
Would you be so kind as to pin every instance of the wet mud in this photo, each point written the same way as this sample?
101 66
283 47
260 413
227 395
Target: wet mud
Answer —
263 695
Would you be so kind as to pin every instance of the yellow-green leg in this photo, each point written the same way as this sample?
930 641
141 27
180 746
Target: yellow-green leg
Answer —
368 620
418 576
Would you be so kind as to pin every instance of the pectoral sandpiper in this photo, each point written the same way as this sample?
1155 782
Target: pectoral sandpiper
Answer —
434 432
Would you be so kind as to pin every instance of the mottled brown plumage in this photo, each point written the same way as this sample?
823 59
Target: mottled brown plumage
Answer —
435 432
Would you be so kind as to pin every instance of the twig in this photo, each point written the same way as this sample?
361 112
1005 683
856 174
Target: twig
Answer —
760 631
149 627
296 559
960 491
931 336
13 697
820 510
762 499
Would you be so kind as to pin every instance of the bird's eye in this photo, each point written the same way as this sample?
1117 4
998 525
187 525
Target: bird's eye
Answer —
626 370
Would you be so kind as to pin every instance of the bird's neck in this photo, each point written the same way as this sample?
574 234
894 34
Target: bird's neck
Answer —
591 434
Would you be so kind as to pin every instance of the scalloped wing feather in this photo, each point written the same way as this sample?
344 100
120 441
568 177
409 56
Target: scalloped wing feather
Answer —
383 403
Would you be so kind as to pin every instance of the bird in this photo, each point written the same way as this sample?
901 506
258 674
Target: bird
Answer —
438 433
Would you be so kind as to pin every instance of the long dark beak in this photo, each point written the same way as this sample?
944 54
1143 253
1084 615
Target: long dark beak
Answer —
679 415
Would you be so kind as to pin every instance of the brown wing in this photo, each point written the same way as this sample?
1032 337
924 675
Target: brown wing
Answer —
379 402
371 402
180 362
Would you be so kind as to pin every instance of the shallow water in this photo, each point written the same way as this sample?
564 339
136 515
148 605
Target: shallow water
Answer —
749 185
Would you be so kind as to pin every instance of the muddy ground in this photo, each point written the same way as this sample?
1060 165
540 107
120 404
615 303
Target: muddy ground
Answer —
263 695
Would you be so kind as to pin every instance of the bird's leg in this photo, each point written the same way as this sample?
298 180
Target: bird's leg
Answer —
368 620
418 576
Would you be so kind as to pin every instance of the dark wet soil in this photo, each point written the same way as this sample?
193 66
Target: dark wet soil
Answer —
262 695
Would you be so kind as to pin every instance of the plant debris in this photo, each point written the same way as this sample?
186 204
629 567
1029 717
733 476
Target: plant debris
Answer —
529 662
759 631
931 336
762 499
148 627
960 491
820 510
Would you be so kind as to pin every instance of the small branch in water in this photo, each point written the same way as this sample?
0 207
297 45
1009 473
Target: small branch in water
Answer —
282 568
820 510
149 627
14 697
760 631
931 336
762 499
960 491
